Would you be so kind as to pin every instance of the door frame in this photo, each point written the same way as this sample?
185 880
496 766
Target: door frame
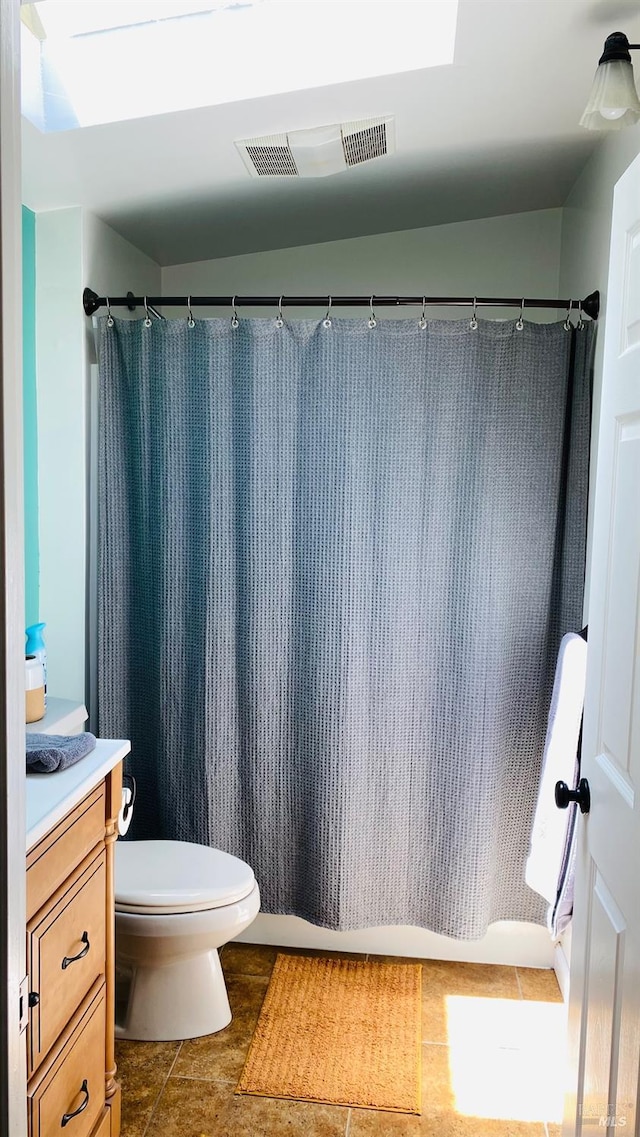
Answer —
12 731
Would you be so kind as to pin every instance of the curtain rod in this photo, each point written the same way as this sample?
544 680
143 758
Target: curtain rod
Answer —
590 306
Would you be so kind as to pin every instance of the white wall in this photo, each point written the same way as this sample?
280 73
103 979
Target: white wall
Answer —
61 446
111 266
584 254
504 256
73 249
586 217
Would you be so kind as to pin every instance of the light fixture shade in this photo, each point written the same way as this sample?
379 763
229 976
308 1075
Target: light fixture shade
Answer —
613 101
317 152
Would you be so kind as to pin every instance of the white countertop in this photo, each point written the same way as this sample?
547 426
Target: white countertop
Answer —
51 796
62 716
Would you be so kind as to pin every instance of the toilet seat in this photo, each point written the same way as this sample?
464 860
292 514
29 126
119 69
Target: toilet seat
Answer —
165 877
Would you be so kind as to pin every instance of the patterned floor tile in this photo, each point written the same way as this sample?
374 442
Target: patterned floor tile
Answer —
442 980
221 1056
539 984
247 959
198 1098
190 1108
440 1115
142 1070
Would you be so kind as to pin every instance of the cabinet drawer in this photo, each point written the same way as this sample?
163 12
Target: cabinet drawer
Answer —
66 953
51 861
103 1126
73 1077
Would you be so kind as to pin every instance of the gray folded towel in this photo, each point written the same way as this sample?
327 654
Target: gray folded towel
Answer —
49 752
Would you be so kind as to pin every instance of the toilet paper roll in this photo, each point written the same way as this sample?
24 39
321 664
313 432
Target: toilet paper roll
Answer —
125 809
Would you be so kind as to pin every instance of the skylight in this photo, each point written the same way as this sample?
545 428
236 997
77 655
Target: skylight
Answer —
108 60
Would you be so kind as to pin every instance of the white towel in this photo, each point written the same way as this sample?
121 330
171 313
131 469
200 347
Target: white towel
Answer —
552 851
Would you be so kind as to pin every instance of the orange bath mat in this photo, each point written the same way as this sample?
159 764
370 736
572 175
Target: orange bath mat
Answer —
340 1031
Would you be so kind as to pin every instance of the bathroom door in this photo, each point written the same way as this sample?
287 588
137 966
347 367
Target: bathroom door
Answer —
13 1114
604 1012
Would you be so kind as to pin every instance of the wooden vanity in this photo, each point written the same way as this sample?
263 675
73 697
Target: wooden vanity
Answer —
71 832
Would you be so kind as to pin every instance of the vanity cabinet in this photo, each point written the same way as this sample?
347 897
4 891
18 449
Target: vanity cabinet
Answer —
70 960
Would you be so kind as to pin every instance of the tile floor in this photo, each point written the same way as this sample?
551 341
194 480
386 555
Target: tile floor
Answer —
492 1064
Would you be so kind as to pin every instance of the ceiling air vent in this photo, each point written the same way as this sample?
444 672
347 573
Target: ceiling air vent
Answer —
320 151
270 157
367 139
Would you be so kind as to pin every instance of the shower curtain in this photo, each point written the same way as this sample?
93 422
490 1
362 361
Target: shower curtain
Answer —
335 566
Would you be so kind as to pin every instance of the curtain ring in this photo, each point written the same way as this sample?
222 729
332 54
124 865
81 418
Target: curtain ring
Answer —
326 323
372 318
234 317
279 319
147 317
520 320
190 320
581 324
422 322
568 326
110 319
473 322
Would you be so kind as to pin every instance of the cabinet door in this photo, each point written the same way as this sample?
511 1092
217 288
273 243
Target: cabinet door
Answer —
69 1091
66 951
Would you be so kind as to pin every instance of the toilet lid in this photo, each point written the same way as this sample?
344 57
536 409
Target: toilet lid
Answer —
176 876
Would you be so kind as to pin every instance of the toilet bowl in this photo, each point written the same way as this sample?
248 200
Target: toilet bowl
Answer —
176 904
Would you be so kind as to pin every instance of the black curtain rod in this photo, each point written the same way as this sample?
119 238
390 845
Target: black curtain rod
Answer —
92 302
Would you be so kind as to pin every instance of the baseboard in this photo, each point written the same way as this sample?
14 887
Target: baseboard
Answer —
511 943
561 968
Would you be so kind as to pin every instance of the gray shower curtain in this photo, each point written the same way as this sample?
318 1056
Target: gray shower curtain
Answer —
335 566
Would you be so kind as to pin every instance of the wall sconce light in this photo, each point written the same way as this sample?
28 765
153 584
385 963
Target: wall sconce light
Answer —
613 101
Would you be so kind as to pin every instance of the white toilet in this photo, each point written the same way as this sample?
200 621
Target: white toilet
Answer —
176 904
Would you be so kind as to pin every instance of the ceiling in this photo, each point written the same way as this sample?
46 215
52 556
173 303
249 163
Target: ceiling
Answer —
494 133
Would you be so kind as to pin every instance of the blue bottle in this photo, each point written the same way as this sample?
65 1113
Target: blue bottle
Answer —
35 646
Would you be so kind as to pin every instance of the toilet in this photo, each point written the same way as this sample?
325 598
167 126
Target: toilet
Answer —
176 904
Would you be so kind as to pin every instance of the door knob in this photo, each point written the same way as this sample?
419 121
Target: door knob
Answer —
582 795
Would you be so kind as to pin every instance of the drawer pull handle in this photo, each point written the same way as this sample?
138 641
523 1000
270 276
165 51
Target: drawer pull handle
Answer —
81 954
67 1117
